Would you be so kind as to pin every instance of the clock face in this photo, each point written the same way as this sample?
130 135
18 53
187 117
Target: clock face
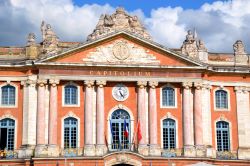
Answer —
120 92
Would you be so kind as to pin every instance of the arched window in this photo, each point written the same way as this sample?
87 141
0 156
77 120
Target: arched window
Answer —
70 133
168 97
8 95
169 134
119 139
223 137
221 99
70 95
7 134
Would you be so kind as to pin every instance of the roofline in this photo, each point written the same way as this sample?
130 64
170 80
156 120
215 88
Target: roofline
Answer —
155 44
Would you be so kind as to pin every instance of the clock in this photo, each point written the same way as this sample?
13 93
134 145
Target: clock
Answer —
120 92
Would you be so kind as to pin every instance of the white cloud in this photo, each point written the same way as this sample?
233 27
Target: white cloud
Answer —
219 24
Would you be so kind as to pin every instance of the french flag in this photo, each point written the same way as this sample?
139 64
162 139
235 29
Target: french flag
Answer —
125 129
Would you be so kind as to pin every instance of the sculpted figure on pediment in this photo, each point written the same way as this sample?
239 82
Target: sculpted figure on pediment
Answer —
120 20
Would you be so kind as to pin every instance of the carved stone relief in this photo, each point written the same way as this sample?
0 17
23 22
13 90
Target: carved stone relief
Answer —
120 20
121 52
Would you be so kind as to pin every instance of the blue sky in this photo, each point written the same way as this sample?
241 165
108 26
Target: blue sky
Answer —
219 23
147 5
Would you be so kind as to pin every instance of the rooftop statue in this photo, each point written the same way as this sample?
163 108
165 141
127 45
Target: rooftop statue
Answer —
192 45
31 39
240 53
120 20
50 40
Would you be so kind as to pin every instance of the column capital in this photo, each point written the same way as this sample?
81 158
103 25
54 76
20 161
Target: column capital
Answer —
241 89
41 82
54 82
89 83
153 84
187 85
207 86
28 82
101 83
142 84
198 85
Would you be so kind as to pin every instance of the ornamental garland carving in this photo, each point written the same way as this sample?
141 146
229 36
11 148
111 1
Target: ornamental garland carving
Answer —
121 52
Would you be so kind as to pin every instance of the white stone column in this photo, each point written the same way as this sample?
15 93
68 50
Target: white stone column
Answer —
188 142
53 149
100 140
89 147
39 151
29 117
206 120
243 119
154 147
143 148
198 119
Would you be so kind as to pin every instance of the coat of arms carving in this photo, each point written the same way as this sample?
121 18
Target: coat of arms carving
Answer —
121 51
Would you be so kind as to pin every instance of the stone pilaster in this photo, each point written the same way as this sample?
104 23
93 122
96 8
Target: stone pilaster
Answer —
189 150
154 149
89 147
40 150
101 148
53 148
143 148
29 117
243 115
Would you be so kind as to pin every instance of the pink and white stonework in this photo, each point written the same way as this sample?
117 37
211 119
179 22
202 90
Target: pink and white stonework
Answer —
76 100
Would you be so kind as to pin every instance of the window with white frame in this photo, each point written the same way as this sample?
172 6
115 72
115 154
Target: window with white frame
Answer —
168 97
70 95
221 99
7 134
169 134
222 136
70 133
8 96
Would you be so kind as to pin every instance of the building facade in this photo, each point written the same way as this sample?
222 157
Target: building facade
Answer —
121 98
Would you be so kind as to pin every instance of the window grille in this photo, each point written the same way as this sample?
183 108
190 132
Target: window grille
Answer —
70 95
70 133
223 138
7 134
169 134
221 99
119 141
168 97
8 95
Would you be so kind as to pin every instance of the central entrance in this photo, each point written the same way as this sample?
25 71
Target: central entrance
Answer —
120 130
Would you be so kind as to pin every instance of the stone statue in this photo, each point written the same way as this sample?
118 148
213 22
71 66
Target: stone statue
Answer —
31 39
201 45
189 46
239 47
120 20
240 54
50 41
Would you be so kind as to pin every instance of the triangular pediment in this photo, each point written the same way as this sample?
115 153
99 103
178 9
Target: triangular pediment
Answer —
121 48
